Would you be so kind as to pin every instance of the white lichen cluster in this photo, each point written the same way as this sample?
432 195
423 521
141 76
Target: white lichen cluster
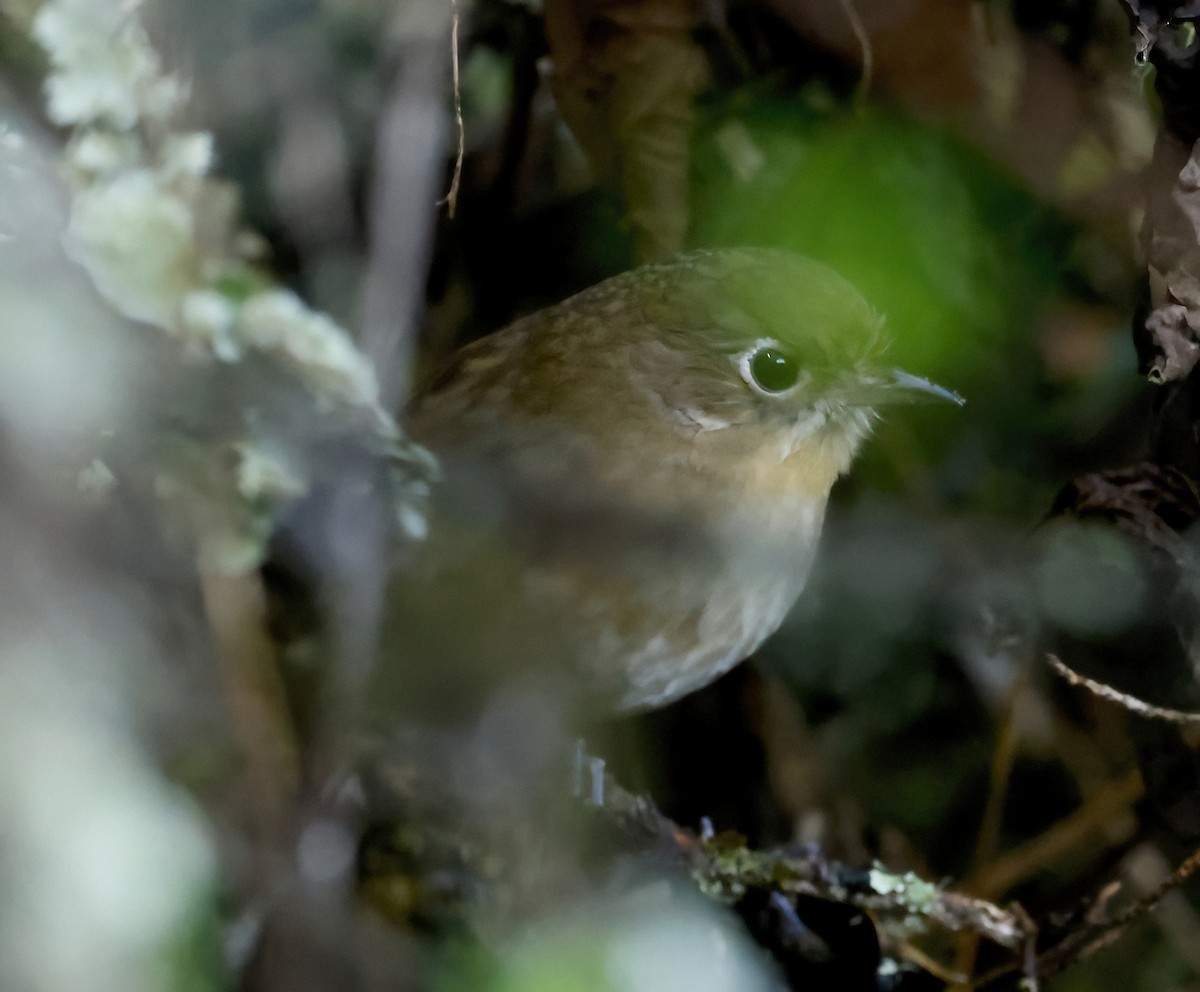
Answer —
159 237
156 232
917 894
104 67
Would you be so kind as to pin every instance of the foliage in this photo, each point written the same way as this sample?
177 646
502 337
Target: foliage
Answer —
205 491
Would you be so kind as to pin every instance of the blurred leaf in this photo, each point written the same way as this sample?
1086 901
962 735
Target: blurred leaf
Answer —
951 250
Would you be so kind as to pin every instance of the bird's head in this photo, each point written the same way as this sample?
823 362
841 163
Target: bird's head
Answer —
758 356
754 368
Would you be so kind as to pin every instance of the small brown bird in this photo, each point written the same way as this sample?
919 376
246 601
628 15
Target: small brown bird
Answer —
643 469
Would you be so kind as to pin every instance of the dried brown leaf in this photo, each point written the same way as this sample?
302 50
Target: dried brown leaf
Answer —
625 77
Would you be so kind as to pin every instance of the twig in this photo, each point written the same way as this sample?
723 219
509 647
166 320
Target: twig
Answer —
864 44
451 197
1084 943
1122 699
1097 813
950 976
255 698
724 867
1003 756
1088 940
408 169
1029 969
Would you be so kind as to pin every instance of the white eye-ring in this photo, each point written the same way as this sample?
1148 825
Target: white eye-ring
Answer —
769 368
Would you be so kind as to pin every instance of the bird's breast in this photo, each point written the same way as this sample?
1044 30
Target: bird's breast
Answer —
663 632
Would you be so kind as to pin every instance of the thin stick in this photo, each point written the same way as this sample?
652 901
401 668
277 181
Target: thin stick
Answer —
255 699
1087 942
986 843
451 197
1007 871
408 171
941 972
864 44
1122 699
1083 943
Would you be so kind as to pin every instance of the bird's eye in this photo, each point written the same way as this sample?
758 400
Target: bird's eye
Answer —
772 369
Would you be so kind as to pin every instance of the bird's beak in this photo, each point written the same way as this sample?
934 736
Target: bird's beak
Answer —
898 386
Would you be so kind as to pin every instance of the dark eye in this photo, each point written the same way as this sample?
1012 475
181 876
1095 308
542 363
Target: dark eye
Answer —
773 370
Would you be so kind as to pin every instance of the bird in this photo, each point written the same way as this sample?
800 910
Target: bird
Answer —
634 480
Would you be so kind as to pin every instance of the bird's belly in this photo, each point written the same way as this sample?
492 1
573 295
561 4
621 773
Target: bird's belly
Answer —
680 660
657 627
